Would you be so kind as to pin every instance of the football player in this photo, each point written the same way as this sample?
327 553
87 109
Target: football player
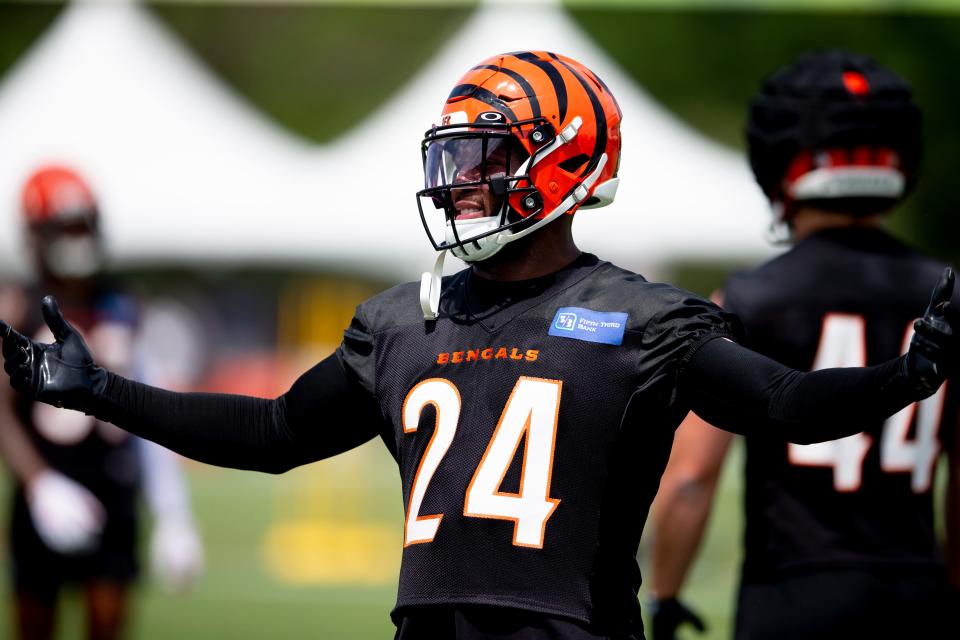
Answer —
530 400
839 539
74 519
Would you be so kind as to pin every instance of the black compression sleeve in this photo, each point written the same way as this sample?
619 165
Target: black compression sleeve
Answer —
324 413
742 391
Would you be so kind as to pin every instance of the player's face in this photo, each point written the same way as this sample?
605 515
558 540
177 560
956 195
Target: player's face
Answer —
479 201
67 251
467 165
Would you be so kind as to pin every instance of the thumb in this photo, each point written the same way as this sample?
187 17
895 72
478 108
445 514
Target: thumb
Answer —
942 292
695 620
51 315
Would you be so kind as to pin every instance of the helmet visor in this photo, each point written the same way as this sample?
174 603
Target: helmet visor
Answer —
473 158
469 175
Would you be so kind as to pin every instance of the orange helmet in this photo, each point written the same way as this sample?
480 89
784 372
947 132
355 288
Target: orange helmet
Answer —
62 223
55 194
537 131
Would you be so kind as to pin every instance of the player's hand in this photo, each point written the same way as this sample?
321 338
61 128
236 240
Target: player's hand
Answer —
68 518
176 553
935 349
670 613
62 373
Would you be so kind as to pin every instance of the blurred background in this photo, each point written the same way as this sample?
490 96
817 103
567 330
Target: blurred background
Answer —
255 166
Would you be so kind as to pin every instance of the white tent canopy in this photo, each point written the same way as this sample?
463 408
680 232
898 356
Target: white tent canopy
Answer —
186 172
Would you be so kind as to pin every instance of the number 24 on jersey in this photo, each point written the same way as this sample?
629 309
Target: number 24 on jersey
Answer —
531 411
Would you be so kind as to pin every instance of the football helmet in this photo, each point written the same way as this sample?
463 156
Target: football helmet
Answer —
837 130
62 223
523 138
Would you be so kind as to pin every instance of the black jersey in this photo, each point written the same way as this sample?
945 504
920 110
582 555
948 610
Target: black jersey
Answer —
841 298
96 454
531 424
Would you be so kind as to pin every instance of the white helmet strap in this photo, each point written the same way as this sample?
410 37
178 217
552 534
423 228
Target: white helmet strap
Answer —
430 284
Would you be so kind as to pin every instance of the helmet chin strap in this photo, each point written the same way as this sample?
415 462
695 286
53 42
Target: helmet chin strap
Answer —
471 249
779 232
430 282
77 257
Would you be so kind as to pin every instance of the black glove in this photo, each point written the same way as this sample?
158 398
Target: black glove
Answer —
63 373
670 613
934 349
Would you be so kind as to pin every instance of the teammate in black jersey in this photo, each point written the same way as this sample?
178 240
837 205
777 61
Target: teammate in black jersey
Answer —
74 511
839 538
529 400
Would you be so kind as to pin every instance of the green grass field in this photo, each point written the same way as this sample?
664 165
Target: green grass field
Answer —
262 582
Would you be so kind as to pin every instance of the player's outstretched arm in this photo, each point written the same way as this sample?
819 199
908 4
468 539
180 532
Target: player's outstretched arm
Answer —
735 388
324 413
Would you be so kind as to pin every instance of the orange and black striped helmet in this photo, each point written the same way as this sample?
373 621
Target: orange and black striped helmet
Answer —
537 130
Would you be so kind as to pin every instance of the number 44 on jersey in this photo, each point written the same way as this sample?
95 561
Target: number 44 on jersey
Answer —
843 344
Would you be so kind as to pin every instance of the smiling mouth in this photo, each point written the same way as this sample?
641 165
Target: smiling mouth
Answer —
468 210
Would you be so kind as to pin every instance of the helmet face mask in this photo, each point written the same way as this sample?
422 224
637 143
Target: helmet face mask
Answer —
475 176
70 249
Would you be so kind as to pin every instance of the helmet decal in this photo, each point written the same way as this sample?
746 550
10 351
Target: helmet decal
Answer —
856 83
490 117
457 117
